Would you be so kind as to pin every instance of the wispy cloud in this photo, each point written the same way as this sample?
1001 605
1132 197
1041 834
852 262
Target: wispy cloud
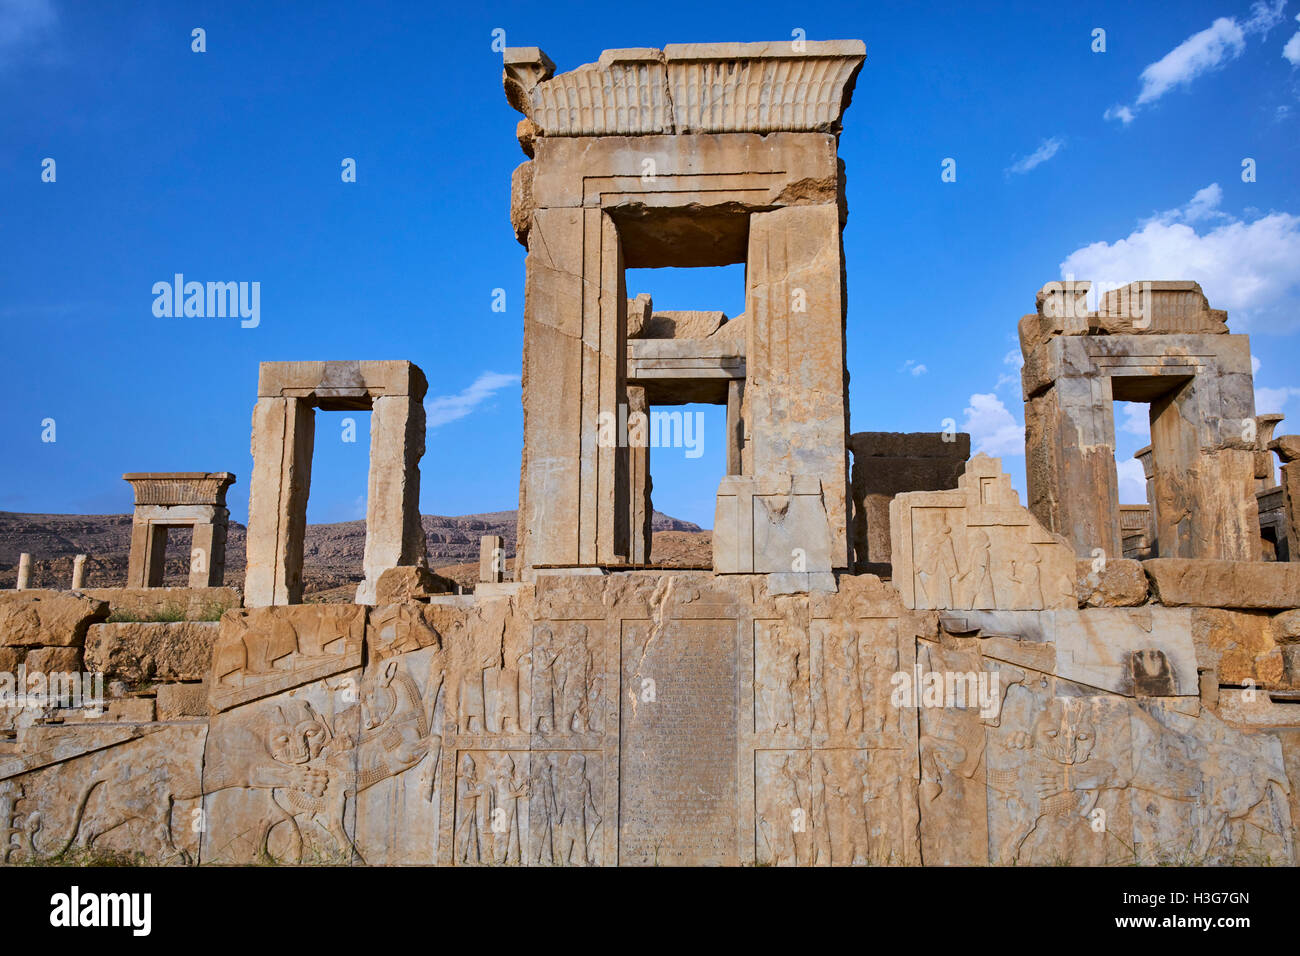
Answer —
450 408
24 25
913 367
1014 361
1045 151
1212 48
1248 268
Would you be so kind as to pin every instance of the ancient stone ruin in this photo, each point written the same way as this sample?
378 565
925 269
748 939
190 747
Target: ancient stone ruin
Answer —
891 660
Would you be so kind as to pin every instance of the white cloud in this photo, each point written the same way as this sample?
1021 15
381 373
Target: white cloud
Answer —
1220 42
1274 399
1136 419
449 408
1204 205
1254 365
991 427
1132 482
1046 150
913 366
1212 48
1252 269
25 23
1292 49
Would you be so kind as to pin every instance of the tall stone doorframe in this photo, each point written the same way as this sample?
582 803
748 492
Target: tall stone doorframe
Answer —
1156 342
694 155
178 499
283 437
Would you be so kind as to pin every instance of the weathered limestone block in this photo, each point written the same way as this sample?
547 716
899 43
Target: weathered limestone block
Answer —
795 403
35 618
54 660
772 525
715 87
886 463
410 583
1239 646
521 201
147 652
976 547
1118 582
1231 584
143 604
1286 627
182 701
267 650
568 511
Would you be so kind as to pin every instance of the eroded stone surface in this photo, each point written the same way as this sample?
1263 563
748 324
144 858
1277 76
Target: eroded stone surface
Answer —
36 618
144 652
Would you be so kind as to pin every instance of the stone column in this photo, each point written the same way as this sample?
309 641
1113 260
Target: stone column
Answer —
78 571
283 438
735 427
795 401
24 571
1144 456
575 328
1205 504
208 551
640 508
147 565
491 558
394 535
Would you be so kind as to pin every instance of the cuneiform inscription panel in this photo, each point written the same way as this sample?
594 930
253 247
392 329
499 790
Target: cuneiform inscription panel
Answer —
677 780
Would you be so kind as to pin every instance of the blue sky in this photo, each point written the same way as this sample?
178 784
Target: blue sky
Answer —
225 166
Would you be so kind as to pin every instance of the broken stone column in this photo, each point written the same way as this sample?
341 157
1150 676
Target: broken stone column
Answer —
24 571
78 571
1159 343
1288 451
491 559
795 405
1264 428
